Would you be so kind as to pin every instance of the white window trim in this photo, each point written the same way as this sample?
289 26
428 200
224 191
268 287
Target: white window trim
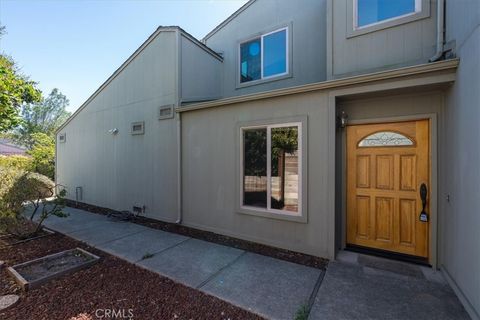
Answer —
262 77
422 11
418 9
269 168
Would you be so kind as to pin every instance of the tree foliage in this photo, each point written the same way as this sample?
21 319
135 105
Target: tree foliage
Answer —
15 161
15 90
43 154
283 140
44 116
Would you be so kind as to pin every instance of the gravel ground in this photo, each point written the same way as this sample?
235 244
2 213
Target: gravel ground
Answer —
287 255
110 284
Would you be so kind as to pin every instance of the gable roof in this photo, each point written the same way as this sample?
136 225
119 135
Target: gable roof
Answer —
227 21
133 56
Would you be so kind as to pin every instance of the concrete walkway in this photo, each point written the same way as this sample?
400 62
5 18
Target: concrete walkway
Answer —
355 287
273 288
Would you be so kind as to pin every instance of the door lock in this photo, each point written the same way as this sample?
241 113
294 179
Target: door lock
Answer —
423 195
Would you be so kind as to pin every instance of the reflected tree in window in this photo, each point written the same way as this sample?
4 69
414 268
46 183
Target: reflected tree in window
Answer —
255 167
284 168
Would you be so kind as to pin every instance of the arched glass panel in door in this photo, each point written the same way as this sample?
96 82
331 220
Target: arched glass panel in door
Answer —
385 139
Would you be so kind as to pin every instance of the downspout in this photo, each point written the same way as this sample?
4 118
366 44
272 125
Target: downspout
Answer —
179 161
440 30
179 128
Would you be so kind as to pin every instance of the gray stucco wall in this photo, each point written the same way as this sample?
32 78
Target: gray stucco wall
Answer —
200 72
210 172
397 46
123 170
307 19
461 246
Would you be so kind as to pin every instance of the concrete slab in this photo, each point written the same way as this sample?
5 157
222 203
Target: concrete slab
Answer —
351 291
398 267
192 262
270 287
77 220
132 248
106 231
70 226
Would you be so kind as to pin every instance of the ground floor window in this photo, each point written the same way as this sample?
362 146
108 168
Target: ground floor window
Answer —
271 172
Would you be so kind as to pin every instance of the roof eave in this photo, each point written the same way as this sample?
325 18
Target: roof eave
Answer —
451 64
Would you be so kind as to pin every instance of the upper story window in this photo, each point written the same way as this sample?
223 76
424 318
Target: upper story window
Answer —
264 57
372 12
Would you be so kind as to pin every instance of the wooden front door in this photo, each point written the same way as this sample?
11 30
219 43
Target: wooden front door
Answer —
386 165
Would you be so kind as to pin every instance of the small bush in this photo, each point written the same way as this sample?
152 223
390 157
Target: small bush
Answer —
18 187
16 161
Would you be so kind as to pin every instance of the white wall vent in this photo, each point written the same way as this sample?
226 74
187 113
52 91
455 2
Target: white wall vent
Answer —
138 127
166 112
62 137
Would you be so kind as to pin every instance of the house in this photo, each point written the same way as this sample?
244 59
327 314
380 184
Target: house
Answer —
8 148
310 125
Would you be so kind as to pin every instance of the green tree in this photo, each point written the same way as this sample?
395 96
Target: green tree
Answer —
15 90
43 154
44 116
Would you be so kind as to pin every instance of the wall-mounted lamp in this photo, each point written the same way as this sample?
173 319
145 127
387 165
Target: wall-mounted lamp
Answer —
113 131
342 119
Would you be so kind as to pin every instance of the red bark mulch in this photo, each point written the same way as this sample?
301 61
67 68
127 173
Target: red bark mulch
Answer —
110 284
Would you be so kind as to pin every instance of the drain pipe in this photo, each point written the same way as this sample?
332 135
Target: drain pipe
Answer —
440 30
179 168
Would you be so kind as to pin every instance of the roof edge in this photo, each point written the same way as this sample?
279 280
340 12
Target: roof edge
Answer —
330 84
226 21
199 43
118 70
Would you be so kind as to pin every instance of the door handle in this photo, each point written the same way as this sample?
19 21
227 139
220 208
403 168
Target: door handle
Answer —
423 196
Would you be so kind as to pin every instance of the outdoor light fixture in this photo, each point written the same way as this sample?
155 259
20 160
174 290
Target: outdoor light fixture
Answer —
343 119
113 131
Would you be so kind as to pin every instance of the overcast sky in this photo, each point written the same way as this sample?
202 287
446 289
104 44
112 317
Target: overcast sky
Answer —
76 45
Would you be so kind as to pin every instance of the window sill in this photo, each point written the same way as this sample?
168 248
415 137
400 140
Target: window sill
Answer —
262 81
300 218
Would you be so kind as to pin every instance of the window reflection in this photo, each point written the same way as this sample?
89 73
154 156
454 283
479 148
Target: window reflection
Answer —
255 167
372 11
284 169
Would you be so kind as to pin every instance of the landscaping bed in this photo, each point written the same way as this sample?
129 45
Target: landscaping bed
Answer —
35 272
111 283
287 255
7 240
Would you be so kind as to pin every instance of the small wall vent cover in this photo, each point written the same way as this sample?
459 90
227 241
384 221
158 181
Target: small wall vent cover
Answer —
138 127
166 112
62 137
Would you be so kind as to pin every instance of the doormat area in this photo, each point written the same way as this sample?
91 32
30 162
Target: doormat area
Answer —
391 266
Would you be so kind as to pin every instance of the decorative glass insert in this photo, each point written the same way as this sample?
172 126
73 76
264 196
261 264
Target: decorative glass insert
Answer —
373 11
264 57
385 139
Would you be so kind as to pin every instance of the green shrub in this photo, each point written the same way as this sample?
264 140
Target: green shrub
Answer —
18 187
16 161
